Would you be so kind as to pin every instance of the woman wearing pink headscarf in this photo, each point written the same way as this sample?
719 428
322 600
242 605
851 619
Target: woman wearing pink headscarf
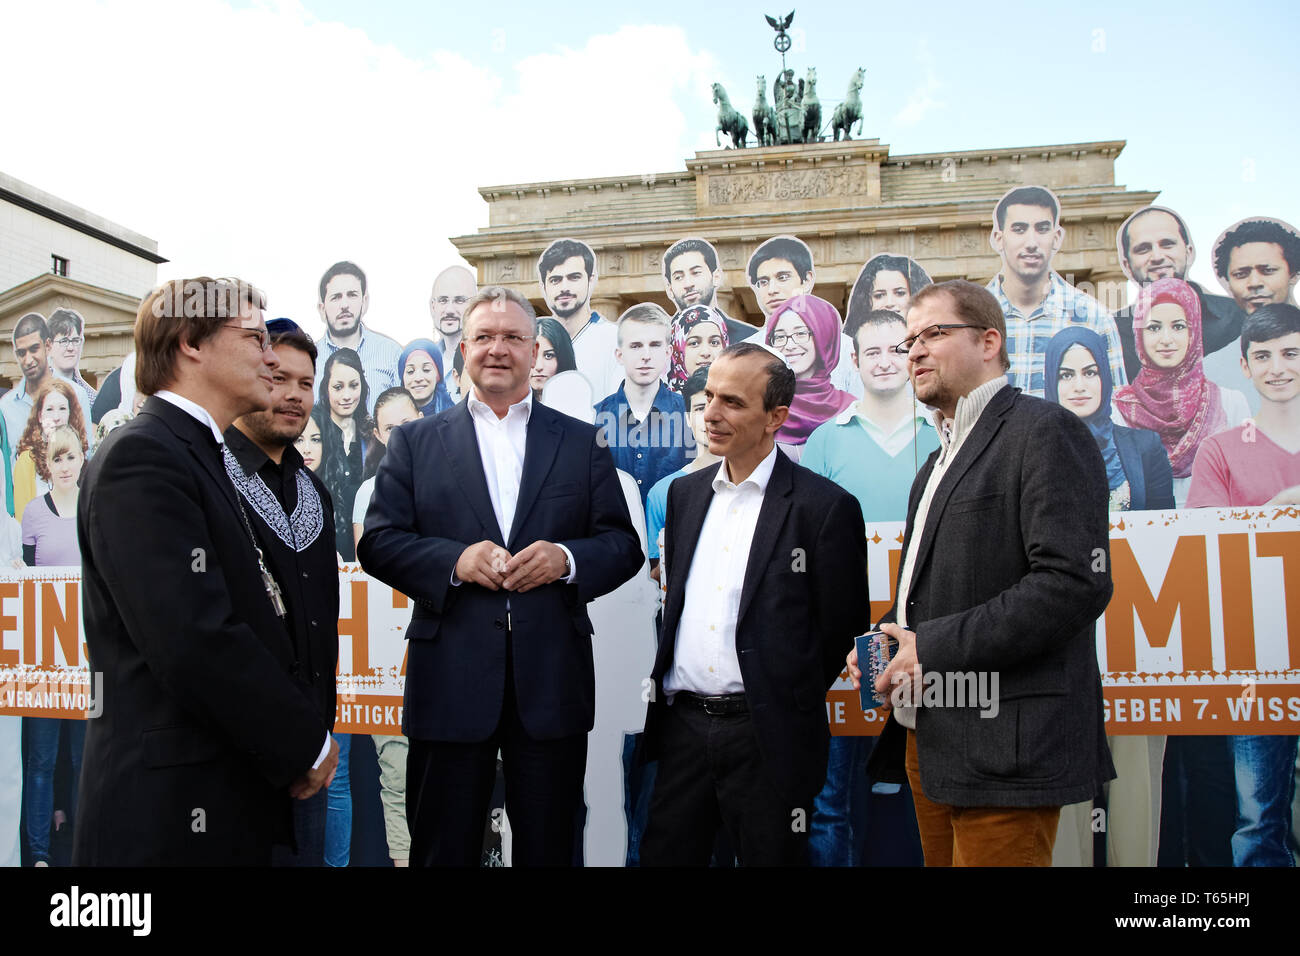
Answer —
805 331
1171 395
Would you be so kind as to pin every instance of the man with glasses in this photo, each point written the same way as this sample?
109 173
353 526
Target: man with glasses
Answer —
997 705
501 519
454 287
208 726
67 329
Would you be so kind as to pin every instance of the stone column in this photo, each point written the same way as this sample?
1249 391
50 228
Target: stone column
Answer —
610 307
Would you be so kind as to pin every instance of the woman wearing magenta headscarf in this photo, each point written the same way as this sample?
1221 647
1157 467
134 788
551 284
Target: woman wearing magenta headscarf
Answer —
1077 375
1171 395
699 335
806 332
419 369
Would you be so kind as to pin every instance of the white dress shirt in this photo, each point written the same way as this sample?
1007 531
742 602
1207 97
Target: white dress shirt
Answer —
952 435
704 655
203 416
501 446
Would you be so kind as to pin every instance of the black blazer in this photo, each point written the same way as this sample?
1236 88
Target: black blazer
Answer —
803 600
431 502
1012 571
203 726
1146 466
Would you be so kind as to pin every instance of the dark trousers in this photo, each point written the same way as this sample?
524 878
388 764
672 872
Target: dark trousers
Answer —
1198 802
711 774
449 789
308 832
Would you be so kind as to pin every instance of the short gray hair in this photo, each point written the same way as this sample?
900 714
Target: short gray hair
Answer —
493 294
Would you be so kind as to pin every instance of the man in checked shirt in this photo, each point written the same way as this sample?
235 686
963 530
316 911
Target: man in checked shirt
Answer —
1036 301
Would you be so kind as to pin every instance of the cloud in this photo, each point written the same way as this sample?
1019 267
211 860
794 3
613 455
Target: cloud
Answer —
265 143
922 100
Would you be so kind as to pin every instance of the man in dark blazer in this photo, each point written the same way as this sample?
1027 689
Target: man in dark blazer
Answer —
501 518
206 731
1005 571
767 587
290 512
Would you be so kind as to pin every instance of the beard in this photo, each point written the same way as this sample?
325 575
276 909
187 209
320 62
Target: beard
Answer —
265 429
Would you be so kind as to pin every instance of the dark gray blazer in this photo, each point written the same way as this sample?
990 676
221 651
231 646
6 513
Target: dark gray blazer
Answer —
1005 581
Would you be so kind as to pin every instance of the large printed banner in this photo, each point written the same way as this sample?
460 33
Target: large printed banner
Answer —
1202 635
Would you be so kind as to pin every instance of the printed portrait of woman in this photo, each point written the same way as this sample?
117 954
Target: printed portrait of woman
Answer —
344 427
50 540
805 331
308 443
554 354
1171 395
699 334
420 370
54 406
393 407
1078 377
887 282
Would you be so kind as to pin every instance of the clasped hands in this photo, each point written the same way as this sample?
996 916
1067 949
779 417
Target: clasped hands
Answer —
492 566
903 665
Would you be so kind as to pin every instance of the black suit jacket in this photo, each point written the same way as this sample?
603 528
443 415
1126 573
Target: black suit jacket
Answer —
803 600
1146 465
431 502
1012 571
203 726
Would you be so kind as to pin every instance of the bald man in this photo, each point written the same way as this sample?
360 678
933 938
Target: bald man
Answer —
454 287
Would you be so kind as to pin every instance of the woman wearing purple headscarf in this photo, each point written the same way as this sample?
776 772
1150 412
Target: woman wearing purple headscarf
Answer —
805 331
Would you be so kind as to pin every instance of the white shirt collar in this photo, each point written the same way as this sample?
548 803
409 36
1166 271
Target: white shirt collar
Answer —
194 410
758 478
478 408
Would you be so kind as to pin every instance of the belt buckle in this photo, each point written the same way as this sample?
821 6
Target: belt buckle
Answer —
714 706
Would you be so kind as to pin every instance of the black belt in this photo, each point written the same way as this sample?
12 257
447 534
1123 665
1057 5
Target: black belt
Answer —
721 705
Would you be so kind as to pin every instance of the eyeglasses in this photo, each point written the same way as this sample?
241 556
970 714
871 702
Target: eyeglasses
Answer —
261 335
798 337
65 340
928 335
513 341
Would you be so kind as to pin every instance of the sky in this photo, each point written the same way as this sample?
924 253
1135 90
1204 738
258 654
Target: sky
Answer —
270 138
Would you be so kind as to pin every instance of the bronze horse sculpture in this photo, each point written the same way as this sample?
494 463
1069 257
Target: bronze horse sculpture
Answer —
850 111
764 116
730 121
812 108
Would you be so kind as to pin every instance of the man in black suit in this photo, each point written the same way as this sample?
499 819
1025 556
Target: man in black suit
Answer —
767 586
1005 571
501 518
293 518
206 729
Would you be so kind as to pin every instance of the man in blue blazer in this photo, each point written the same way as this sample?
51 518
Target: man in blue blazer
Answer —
501 519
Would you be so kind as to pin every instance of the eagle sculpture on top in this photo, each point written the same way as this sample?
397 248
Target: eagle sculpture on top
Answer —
781 25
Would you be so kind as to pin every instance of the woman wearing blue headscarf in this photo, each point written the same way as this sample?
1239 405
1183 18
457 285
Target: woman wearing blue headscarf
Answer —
419 369
1078 376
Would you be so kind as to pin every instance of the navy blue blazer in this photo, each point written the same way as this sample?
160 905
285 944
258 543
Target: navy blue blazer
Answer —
1146 465
430 503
